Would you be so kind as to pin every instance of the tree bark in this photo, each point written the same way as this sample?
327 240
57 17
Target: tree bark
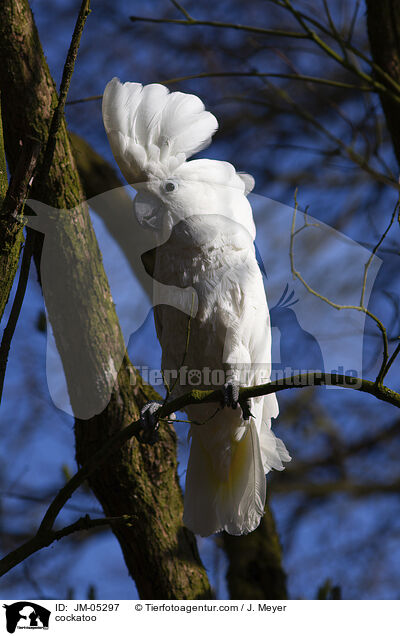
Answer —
139 480
3 165
11 235
255 563
97 176
383 21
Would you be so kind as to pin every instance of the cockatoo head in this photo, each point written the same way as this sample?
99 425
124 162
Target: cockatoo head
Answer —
152 132
209 193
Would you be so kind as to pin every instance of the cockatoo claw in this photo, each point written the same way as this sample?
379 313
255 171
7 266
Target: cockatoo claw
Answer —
246 406
231 398
150 423
231 394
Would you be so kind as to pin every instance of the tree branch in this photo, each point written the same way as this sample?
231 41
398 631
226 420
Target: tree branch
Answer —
307 34
64 87
45 538
15 310
11 235
323 489
289 76
338 306
223 25
21 180
192 397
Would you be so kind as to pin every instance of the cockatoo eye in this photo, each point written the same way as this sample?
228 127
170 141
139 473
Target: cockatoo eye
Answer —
170 186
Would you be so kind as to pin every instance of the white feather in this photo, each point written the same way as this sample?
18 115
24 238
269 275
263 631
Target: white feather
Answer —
149 114
139 119
230 494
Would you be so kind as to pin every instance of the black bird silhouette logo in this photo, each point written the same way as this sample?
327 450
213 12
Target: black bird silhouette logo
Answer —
25 614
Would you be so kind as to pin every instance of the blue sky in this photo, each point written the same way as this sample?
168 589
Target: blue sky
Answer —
335 537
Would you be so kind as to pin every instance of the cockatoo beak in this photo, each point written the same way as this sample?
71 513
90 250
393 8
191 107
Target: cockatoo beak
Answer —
147 208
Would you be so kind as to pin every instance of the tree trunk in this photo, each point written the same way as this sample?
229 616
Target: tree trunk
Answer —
383 20
138 480
255 563
11 235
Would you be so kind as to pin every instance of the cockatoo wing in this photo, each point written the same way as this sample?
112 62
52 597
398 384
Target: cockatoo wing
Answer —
225 484
273 450
152 131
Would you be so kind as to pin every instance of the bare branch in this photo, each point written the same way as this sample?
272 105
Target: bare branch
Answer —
302 19
64 87
16 309
92 98
374 251
21 180
308 34
348 150
391 360
323 489
45 531
182 10
12 206
338 306
223 25
290 76
45 538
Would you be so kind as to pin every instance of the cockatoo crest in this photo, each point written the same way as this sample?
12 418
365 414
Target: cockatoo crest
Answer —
152 131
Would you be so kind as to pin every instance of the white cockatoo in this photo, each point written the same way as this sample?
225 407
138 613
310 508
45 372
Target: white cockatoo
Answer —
204 230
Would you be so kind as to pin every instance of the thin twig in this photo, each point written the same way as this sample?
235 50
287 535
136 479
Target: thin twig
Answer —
334 30
338 306
348 150
45 499
21 179
303 18
44 539
391 360
92 98
326 488
353 23
223 25
10 216
182 10
308 34
15 309
374 251
64 87
290 76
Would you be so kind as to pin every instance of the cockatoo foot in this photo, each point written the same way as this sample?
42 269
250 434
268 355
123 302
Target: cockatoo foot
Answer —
230 394
245 405
231 398
149 422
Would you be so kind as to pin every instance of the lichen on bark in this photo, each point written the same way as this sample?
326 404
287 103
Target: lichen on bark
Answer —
11 234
